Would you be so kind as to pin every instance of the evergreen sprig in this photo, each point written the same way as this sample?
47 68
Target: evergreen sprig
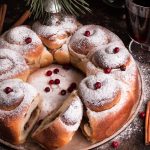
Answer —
74 7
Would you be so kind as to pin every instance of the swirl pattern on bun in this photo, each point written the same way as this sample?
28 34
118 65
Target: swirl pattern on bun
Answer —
111 56
12 65
26 42
99 92
18 110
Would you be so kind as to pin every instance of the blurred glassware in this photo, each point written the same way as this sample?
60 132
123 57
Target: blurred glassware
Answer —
138 25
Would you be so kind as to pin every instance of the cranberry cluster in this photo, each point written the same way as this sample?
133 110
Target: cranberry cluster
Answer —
57 82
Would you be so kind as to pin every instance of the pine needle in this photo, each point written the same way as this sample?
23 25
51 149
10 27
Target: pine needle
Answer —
74 7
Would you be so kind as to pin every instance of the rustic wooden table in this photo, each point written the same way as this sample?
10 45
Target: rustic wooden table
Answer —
114 19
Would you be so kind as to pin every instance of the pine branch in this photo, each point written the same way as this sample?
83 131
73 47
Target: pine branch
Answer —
74 7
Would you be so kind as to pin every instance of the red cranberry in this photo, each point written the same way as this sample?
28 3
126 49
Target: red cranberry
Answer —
28 40
63 92
115 144
73 85
47 89
49 73
123 68
97 85
51 82
116 50
57 81
56 71
107 70
66 66
7 90
87 33
70 89
142 115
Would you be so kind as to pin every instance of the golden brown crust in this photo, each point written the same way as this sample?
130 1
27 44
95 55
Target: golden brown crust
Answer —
55 136
100 129
53 44
107 105
17 121
46 58
58 129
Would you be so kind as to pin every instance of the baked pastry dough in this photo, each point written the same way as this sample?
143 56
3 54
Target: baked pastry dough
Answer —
12 65
23 40
53 99
58 129
98 124
55 34
109 92
94 92
112 56
18 110
62 55
56 31
85 40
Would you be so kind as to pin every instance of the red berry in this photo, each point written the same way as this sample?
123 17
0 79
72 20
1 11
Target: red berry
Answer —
63 92
116 50
115 144
56 71
107 70
142 115
73 85
51 82
66 66
7 90
70 89
123 68
57 81
49 73
28 40
47 89
87 33
97 85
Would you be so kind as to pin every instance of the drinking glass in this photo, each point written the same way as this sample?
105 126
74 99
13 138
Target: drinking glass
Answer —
138 25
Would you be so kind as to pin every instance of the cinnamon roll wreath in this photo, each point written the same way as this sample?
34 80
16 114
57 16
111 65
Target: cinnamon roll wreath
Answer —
108 93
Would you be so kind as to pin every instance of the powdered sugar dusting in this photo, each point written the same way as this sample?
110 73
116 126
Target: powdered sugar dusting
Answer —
129 74
101 96
21 89
15 39
53 99
56 27
124 95
105 57
136 128
11 64
73 114
98 36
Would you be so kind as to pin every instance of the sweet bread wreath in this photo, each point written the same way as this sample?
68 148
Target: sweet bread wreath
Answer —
100 104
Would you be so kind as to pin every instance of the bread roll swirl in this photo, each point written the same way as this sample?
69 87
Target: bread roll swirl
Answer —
18 110
106 57
90 37
12 65
57 30
9 101
15 39
104 96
